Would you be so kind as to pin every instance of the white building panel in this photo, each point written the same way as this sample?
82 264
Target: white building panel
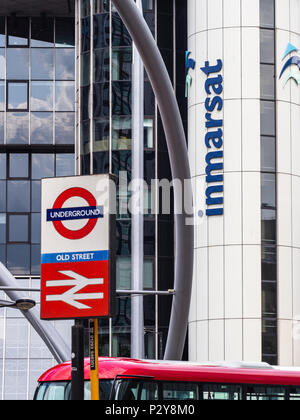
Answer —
250 63
284 209
250 12
232 55
232 13
233 287
233 208
216 282
282 14
233 339
215 14
283 138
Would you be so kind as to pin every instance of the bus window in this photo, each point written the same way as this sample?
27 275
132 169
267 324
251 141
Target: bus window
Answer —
179 391
148 391
56 391
221 392
294 393
262 392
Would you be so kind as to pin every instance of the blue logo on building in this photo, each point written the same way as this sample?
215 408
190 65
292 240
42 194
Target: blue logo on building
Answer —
189 64
290 64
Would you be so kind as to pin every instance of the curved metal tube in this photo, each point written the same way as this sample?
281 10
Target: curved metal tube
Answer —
53 340
176 142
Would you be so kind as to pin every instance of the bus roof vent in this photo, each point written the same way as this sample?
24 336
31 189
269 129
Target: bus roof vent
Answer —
245 365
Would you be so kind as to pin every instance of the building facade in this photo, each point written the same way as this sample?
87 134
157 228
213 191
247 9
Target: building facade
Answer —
243 141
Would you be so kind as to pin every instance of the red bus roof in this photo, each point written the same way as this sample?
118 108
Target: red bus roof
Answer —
177 371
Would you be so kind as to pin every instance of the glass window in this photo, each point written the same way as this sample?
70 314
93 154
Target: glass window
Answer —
65 164
268 191
148 134
267 14
2 96
42 165
101 135
2 166
2 31
42 64
267 46
17 63
65 64
64 96
101 31
17 96
101 100
2 196
120 35
2 63
36 196
267 81
221 392
18 196
42 32
18 258
17 31
121 133
18 165
101 65
2 127
179 391
41 96
3 254
41 128
35 260
268 155
2 228
269 299
35 228
18 227
121 63
294 393
267 118
64 32
64 128
17 128
263 392
121 98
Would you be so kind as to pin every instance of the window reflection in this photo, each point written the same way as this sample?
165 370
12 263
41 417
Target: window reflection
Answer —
121 98
17 96
101 65
64 32
17 63
2 63
18 259
2 228
17 31
120 35
42 165
41 128
267 85
1 127
64 128
267 17
121 133
65 64
35 228
2 96
101 135
101 31
64 96
36 196
42 64
17 127
2 31
41 96
18 196
18 165
267 118
121 63
2 166
18 227
42 32
65 164
101 100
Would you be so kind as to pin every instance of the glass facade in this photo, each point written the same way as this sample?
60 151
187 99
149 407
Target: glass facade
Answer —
105 146
268 182
37 138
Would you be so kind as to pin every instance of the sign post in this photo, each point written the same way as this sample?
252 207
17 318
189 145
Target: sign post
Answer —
78 251
94 366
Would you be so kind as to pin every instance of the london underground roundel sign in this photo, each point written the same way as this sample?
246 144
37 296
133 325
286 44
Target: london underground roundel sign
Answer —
77 248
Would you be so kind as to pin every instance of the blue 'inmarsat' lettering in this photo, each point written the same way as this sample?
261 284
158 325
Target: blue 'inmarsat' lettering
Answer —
214 139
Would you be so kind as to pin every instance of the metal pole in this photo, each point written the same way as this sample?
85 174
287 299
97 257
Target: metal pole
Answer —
177 147
77 364
137 217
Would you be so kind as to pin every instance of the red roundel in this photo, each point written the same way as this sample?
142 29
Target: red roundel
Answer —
61 199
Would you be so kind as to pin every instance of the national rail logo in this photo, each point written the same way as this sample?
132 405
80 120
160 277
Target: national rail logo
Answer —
290 64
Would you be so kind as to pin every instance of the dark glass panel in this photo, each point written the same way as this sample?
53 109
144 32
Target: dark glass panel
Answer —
121 63
18 165
3 166
42 63
17 31
41 128
42 31
267 81
3 254
85 92
121 98
2 63
165 238
18 258
2 196
100 162
101 135
267 46
35 228
148 5
148 133
268 226
149 99
123 244
2 31
165 30
268 154
149 238
85 34
268 191
65 64
65 164
101 6
267 118
17 129
17 96
18 227
101 31
267 13
36 196
101 65
65 128
35 260
85 69
41 96
17 63
85 137
18 196
42 165
121 161
2 96
2 228
85 164
149 166
64 96
64 32
269 337
120 35
101 100
269 299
